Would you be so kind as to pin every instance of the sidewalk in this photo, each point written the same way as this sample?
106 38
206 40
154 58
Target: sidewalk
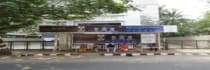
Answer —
144 53
175 52
193 50
42 53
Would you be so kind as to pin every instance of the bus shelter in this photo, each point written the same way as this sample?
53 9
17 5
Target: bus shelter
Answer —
100 38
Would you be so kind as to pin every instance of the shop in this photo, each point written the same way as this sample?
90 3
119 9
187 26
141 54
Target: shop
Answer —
104 38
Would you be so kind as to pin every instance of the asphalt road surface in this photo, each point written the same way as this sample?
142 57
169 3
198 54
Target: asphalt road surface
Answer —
106 63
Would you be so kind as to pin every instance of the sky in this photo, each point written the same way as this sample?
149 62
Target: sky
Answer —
189 8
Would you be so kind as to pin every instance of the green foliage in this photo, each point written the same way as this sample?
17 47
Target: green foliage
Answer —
82 9
174 17
170 16
17 14
32 29
203 25
186 27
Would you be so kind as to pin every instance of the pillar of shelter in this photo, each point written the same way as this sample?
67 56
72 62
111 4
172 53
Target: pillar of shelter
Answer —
70 41
158 41
56 41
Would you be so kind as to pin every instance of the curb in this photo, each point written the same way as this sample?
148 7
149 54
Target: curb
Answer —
110 54
45 54
154 54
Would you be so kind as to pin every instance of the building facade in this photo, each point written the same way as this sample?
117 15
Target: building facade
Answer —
148 16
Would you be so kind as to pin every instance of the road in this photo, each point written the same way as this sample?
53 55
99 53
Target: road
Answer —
106 63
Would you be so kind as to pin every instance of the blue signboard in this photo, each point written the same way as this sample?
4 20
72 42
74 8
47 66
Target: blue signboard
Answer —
142 28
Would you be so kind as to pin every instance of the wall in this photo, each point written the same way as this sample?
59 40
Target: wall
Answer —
207 37
150 12
201 42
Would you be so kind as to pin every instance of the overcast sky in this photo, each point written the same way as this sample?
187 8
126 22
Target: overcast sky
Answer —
190 8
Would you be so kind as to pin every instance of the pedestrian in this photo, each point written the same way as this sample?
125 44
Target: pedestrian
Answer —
111 48
138 47
124 47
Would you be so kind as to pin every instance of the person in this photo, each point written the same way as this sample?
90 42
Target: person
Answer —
122 38
83 48
81 28
130 39
138 47
153 47
104 29
96 29
111 48
123 47
112 29
90 47
113 39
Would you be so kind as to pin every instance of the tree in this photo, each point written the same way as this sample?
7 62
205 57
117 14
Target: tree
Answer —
17 14
174 17
202 26
79 9
31 30
170 16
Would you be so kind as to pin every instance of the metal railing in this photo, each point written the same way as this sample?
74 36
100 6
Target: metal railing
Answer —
29 45
186 44
167 44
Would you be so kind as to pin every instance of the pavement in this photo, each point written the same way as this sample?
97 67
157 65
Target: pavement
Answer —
106 63
175 52
193 50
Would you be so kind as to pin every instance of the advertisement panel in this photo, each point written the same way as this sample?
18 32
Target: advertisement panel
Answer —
107 28
142 28
170 28
108 38
58 28
148 38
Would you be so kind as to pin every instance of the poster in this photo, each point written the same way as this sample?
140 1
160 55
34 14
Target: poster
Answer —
170 28
142 28
148 38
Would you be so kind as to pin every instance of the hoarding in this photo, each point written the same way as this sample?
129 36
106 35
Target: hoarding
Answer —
108 38
142 28
170 28
148 38
58 28
108 28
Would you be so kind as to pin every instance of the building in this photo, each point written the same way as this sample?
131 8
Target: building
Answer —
149 16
